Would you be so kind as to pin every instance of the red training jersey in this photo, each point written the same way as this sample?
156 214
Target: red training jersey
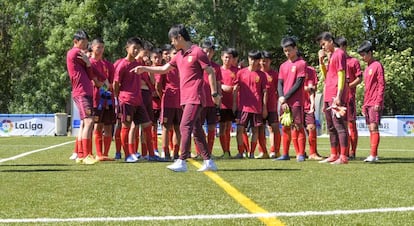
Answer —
337 62
228 78
80 75
252 85
130 82
311 80
288 72
271 86
374 84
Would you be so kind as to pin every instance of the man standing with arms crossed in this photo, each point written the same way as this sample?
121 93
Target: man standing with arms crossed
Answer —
190 61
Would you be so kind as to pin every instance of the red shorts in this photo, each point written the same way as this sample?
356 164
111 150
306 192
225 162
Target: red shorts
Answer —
136 114
171 116
371 116
105 116
209 114
226 115
351 109
271 118
310 119
147 99
84 105
252 119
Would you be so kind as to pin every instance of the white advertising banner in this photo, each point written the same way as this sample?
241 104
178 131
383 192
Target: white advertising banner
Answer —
27 125
399 125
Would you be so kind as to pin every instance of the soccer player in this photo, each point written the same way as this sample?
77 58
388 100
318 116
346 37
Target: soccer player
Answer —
127 88
104 114
272 115
156 60
310 85
168 87
228 73
292 75
251 86
354 77
373 96
81 75
334 97
190 61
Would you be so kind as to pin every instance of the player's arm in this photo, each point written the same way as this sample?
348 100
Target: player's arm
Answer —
298 85
265 101
356 82
380 89
280 91
213 84
153 69
322 56
341 85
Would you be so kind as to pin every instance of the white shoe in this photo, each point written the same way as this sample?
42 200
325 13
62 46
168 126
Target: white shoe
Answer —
73 156
371 159
178 166
208 165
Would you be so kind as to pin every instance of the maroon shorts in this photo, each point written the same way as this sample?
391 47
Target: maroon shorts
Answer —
84 105
136 114
171 116
226 115
105 116
147 99
297 114
310 119
351 109
372 116
271 118
209 114
252 119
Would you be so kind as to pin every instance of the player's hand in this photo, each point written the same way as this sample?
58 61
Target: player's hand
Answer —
337 101
284 107
216 100
137 70
84 58
282 100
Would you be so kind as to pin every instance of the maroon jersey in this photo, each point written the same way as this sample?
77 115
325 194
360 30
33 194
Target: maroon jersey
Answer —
272 79
80 75
207 87
288 72
251 89
103 70
130 83
337 63
353 71
311 80
190 65
228 77
374 84
171 89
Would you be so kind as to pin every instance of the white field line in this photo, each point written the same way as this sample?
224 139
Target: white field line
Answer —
208 217
34 151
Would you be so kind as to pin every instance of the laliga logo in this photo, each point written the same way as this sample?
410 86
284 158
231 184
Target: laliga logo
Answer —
409 127
6 126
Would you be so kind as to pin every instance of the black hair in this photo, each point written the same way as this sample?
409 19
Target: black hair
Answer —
81 34
134 41
327 36
146 45
266 54
179 29
98 41
156 50
233 52
166 47
207 44
365 47
341 41
255 54
288 41
227 51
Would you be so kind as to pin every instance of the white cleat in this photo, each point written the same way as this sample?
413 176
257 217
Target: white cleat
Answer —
371 159
178 166
208 165
74 156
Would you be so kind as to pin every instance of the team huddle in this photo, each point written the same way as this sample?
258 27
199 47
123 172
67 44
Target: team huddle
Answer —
181 88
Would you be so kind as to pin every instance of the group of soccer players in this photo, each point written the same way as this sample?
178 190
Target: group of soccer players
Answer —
180 87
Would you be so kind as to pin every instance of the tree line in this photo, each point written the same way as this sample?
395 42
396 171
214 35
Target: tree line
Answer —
35 36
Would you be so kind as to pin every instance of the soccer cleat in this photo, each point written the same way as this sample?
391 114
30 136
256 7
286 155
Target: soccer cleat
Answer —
371 159
250 155
262 155
178 166
282 158
118 156
300 158
315 157
73 156
351 157
155 159
138 155
103 158
239 156
331 158
273 155
89 160
226 155
208 165
131 159
341 160
156 153
79 160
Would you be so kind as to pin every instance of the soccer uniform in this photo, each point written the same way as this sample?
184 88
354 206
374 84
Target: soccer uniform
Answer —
338 133
289 72
311 80
374 96
190 65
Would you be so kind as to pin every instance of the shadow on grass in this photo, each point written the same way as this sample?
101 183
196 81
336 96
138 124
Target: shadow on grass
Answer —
394 160
19 170
36 170
256 169
36 165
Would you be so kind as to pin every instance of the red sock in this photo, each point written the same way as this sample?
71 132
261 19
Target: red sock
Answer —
334 151
353 136
75 149
144 149
87 147
118 140
312 142
240 148
246 141
80 149
223 144
154 139
286 139
253 147
301 141
228 137
295 135
262 142
277 139
166 150
98 142
124 140
107 144
131 148
375 139
148 138
210 140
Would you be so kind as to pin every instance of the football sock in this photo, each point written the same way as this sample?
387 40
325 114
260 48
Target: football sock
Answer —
375 139
98 142
286 137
